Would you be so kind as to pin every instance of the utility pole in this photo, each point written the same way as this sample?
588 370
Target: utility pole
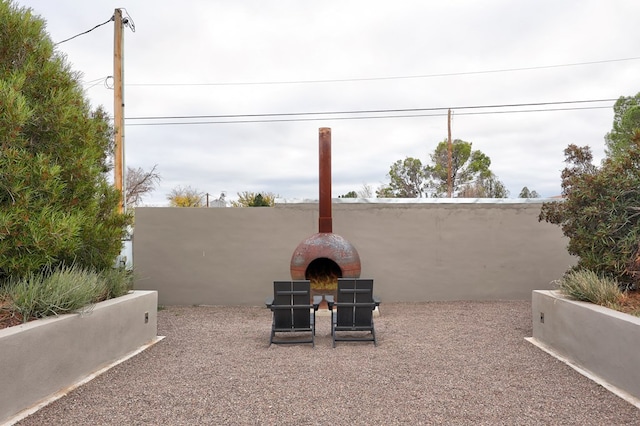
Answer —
450 157
118 107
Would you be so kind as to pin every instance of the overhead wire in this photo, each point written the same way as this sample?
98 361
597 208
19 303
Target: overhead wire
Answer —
269 118
127 21
343 80
93 83
370 111
391 113
285 120
84 32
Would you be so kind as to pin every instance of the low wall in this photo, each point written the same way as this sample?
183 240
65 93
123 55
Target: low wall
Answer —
45 357
598 342
418 250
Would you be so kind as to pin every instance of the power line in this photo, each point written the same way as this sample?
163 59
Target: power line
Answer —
85 83
85 32
284 120
407 77
373 111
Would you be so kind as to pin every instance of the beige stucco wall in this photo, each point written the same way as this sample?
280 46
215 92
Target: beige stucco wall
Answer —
415 251
47 358
599 342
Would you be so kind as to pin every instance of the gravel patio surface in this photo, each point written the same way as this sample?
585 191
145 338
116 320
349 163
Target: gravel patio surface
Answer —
461 363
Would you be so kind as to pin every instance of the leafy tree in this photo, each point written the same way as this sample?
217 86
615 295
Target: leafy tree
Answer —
407 180
185 197
139 183
626 124
56 205
600 214
252 199
525 193
484 187
467 166
350 194
471 176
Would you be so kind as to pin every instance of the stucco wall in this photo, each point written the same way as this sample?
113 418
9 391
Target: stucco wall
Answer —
415 251
47 358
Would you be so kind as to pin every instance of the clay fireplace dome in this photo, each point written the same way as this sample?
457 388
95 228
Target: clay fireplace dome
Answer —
325 246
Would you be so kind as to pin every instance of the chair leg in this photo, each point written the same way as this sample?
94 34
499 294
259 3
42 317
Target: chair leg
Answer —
273 332
333 328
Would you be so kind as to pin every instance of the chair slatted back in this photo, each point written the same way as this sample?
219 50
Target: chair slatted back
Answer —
355 302
291 304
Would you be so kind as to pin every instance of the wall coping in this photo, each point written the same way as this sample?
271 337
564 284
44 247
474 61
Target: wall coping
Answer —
419 200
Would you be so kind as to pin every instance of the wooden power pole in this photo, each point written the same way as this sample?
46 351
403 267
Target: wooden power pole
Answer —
118 107
450 157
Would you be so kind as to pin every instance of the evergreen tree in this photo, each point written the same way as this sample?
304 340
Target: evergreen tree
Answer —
56 205
350 194
252 199
525 193
626 125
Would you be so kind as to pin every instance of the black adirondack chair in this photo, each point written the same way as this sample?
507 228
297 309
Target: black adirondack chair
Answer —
293 312
353 311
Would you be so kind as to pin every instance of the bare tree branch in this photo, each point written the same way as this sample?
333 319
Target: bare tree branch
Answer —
139 183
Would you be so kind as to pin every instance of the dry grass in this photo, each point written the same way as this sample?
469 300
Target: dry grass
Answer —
324 283
630 303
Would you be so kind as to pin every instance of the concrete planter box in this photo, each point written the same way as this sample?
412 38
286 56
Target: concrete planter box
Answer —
44 359
600 343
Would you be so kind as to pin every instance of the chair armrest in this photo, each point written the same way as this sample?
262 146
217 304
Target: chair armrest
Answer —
269 301
316 302
330 301
376 300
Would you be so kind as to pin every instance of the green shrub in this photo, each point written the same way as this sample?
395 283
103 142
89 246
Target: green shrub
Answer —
118 282
588 286
64 290
599 213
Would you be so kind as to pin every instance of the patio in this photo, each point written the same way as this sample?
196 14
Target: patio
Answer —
436 363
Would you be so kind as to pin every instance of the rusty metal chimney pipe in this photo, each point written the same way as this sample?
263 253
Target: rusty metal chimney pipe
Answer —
325 222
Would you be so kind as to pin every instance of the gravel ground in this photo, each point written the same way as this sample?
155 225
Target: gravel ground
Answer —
435 363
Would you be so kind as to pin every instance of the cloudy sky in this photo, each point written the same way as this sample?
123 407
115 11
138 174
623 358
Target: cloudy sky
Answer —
409 59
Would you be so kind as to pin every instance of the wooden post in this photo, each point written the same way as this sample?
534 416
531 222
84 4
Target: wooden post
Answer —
450 157
118 108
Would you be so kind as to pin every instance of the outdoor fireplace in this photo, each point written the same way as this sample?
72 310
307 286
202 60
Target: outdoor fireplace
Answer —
324 257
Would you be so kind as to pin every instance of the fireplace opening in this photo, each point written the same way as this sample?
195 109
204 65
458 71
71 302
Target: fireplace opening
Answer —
323 274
